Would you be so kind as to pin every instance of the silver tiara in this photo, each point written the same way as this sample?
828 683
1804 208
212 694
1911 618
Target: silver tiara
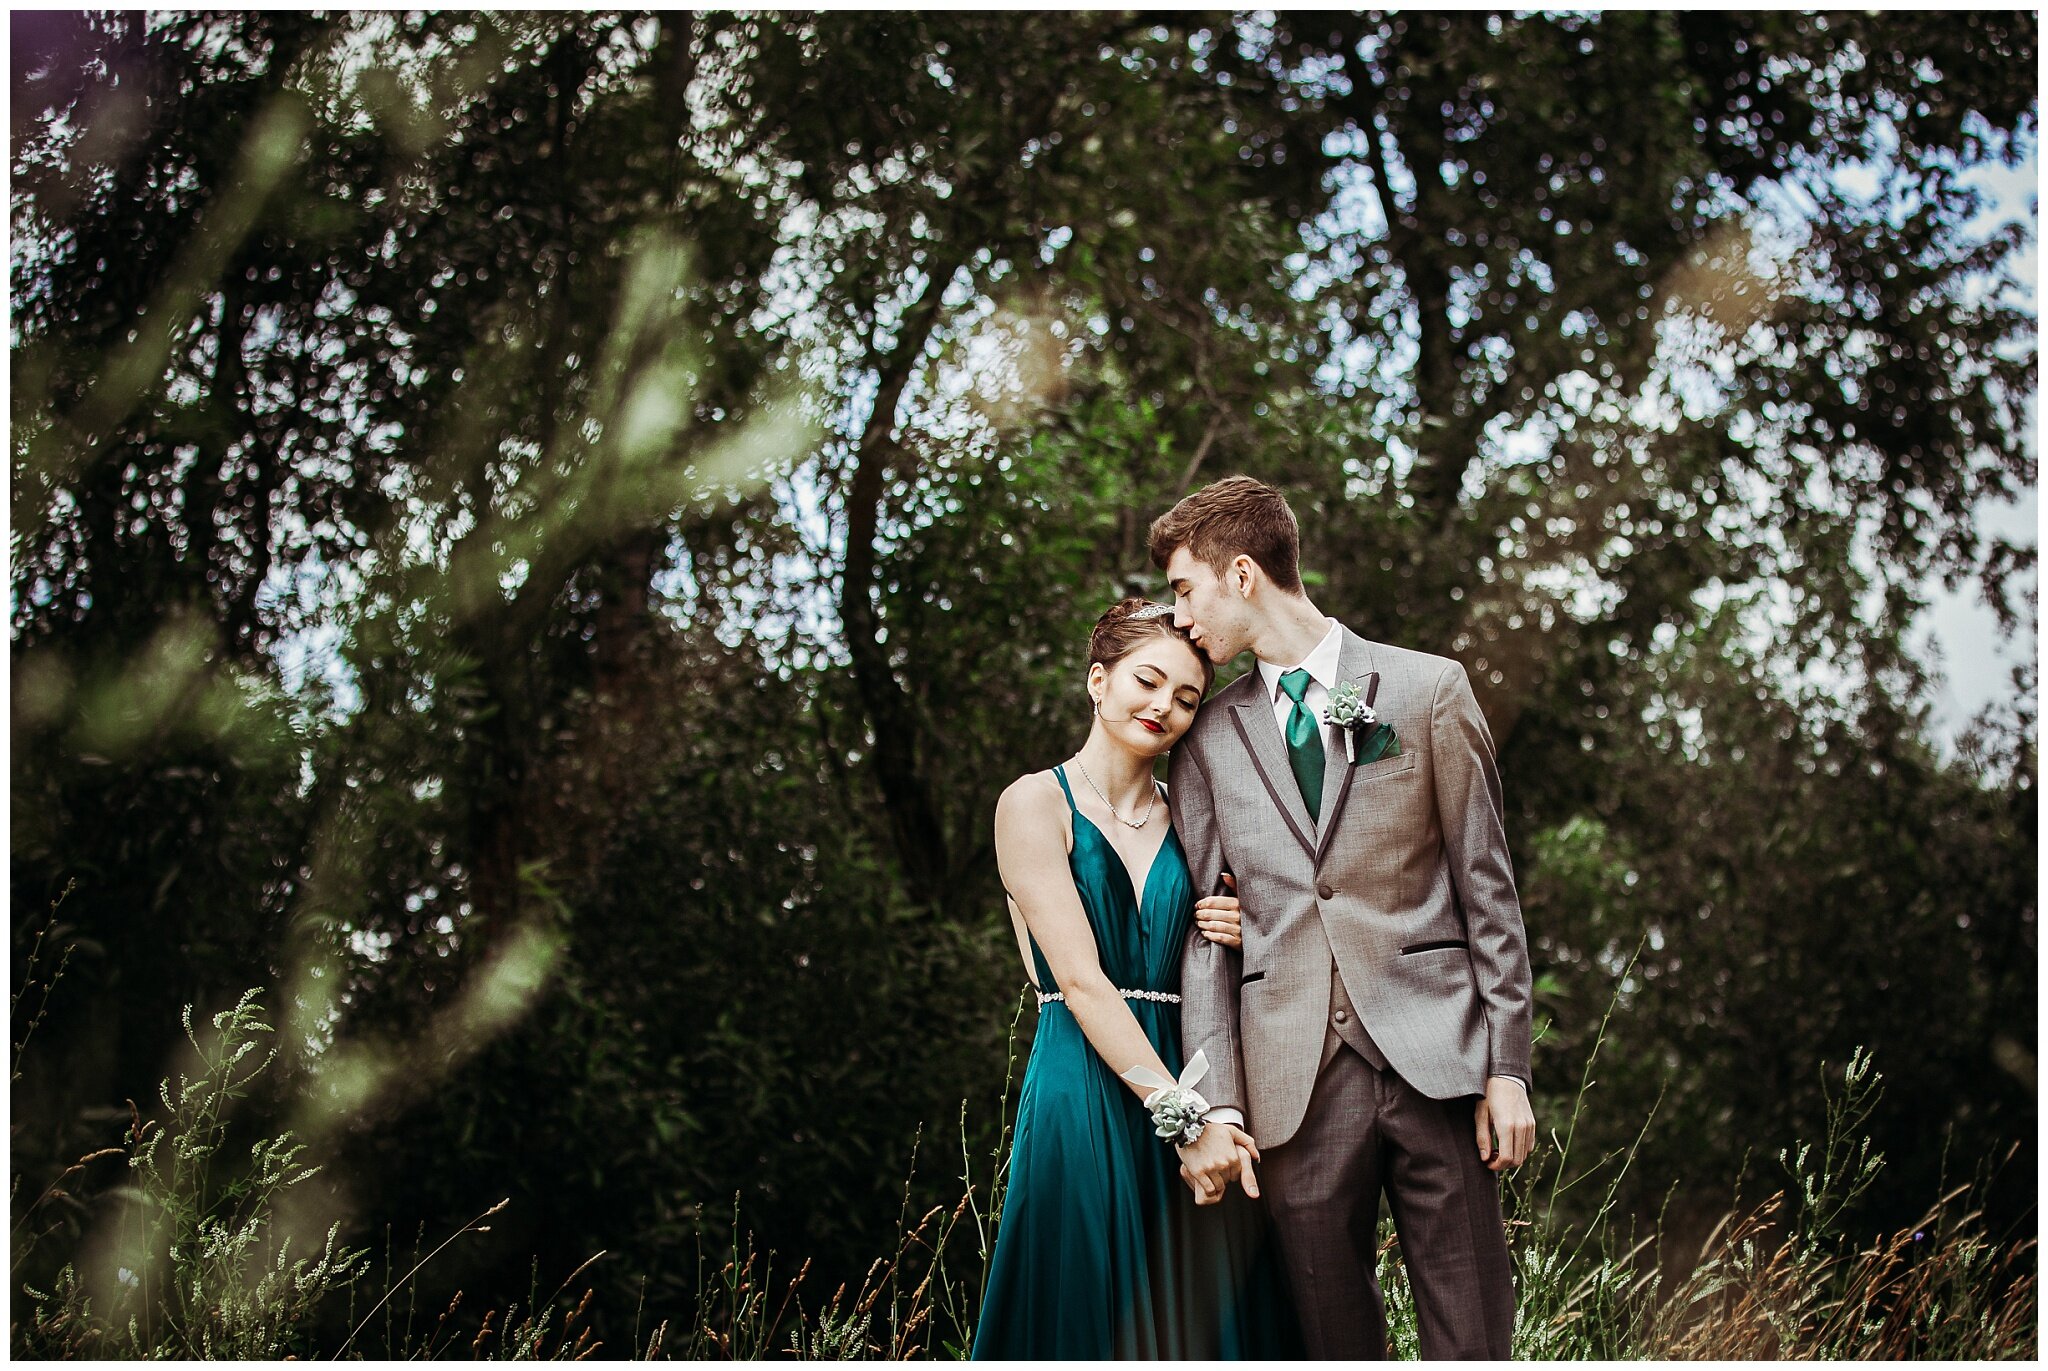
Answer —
1151 611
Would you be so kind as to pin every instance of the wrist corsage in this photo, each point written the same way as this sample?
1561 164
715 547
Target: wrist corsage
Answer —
1177 1108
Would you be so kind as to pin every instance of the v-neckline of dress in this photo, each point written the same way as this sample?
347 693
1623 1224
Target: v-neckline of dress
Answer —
1138 892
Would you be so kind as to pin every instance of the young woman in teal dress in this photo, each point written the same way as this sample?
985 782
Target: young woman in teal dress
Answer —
1104 1250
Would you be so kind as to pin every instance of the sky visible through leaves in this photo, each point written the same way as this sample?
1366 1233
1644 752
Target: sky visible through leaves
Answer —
1977 660
1975 656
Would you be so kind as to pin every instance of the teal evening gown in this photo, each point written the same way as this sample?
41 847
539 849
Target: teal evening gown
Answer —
1102 1251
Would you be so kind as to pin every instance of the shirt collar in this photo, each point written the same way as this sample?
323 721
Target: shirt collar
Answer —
1321 663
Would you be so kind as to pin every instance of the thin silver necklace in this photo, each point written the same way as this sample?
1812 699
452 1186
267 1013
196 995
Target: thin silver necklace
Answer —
1106 800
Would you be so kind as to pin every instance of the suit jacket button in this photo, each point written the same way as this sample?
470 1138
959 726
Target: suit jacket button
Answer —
1342 1018
1324 890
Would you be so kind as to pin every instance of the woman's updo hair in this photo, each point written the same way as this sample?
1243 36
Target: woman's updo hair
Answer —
1129 622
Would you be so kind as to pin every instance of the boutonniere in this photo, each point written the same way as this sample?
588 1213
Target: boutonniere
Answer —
1365 737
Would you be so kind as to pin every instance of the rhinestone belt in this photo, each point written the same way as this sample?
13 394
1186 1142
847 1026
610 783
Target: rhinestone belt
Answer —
1156 996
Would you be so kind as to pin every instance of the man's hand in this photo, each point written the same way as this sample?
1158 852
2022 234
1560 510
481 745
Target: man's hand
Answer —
1504 1112
1224 1152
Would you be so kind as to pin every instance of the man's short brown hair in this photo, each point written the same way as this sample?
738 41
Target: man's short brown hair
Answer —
1235 515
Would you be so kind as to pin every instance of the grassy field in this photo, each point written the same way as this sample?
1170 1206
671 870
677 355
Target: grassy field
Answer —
202 1265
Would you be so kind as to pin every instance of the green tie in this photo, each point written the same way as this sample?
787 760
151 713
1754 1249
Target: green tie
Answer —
1304 742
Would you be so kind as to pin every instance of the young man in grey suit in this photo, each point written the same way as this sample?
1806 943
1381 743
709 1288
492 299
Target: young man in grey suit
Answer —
1373 1035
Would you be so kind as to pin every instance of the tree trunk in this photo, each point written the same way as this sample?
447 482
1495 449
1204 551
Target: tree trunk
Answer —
913 819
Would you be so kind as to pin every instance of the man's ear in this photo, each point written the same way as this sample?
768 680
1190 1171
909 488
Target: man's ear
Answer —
1245 572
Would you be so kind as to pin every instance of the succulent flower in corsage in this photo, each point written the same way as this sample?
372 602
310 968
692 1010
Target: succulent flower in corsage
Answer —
1177 1109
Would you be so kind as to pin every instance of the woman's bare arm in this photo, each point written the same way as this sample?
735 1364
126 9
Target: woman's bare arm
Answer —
1031 853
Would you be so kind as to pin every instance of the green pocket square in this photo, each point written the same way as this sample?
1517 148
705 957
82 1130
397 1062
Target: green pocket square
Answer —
1378 745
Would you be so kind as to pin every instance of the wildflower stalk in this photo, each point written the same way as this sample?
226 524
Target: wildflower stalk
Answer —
475 1225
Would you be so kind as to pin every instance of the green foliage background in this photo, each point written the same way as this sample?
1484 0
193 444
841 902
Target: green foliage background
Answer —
541 537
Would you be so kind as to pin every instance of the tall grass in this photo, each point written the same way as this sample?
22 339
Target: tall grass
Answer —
920 1300
1782 1280
201 1263
196 1266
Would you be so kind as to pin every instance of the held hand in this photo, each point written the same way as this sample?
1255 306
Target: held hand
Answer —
1504 1113
1218 916
1224 1152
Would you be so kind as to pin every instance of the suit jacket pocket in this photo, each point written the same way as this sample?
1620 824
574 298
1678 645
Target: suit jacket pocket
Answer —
1387 766
1249 977
1414 948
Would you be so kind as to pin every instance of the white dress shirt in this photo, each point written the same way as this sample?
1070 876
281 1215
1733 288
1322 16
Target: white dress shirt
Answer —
1321 665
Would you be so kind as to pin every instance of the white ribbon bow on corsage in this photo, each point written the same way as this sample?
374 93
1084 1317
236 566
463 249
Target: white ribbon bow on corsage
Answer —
1176 1107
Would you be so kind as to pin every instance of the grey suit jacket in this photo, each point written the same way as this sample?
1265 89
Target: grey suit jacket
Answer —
1404 886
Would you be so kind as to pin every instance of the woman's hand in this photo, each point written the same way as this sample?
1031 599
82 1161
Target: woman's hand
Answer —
1218 917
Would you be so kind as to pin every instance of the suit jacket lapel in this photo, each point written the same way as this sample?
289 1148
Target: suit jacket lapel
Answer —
1253 716
1354 663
